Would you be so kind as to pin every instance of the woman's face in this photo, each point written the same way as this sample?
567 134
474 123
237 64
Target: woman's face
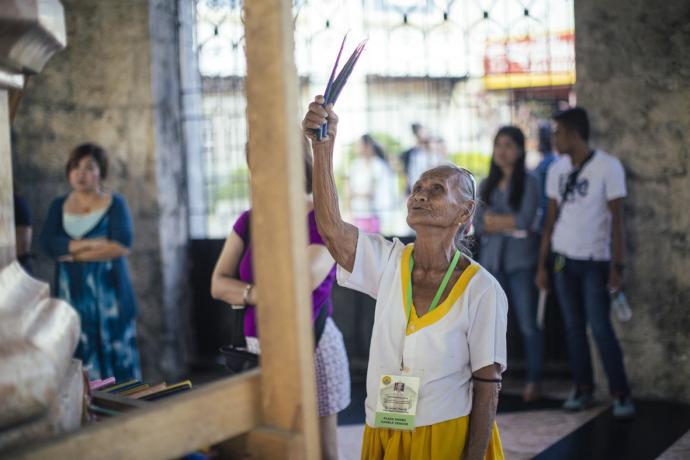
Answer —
86 176
436 200
364 149
506 152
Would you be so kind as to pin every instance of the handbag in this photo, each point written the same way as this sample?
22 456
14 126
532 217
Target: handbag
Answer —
238 359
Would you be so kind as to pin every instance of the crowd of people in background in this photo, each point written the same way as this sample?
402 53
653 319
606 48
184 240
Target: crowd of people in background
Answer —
376 179
562 222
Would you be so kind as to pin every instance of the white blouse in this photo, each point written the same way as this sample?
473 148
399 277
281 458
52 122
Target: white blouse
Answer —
78 225
466 332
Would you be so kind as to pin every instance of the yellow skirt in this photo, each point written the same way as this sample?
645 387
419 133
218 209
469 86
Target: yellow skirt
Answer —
440 441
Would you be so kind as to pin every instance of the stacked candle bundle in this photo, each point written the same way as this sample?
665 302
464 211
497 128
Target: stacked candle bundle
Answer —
131 389
336 84
136 390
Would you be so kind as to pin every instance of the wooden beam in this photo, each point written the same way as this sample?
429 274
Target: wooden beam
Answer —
165 429
279 232
276 444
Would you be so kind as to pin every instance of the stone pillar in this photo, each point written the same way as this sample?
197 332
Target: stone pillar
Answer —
42 386
633 76
117 84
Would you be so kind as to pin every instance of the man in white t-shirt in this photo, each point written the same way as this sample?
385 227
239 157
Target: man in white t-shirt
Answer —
584 233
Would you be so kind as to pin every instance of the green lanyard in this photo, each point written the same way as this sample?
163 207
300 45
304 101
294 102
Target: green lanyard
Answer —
441 288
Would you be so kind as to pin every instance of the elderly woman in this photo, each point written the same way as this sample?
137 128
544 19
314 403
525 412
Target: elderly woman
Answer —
438 346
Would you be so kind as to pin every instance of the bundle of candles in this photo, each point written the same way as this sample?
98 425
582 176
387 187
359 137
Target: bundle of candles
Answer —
137 390
132 389
336 84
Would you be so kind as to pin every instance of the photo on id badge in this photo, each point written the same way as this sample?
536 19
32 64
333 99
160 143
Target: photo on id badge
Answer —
396 407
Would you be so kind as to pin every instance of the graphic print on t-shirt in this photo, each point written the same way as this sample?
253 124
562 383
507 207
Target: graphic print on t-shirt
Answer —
581 188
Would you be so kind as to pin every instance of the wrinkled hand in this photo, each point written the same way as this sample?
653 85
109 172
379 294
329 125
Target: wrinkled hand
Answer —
542 278
316 117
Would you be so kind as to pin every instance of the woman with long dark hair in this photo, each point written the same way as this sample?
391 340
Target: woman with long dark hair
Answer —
509 246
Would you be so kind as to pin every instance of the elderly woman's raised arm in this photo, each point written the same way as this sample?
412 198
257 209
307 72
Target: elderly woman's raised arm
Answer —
340 237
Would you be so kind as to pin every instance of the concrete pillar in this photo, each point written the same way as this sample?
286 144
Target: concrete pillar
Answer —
633 76
117 84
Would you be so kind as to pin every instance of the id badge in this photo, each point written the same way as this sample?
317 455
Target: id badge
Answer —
396 407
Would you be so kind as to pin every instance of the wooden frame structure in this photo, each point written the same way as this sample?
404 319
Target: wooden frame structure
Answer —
276 405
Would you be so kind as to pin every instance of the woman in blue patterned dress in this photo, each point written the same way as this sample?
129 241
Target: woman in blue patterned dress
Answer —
88 232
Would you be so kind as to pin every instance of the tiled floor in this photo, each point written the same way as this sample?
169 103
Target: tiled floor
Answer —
680 450
552 434
524 434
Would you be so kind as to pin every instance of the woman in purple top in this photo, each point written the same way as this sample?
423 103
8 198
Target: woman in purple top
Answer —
321 263
233 282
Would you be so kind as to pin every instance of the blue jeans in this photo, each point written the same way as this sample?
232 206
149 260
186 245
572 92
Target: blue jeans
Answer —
581 286
522 295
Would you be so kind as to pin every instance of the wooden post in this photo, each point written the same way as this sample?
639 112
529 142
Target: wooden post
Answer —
7 239
279 237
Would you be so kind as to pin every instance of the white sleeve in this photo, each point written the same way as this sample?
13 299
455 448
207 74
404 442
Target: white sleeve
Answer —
614 181
552 191
488 325
371 258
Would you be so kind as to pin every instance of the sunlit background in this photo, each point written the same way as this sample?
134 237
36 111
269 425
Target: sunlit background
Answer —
459 68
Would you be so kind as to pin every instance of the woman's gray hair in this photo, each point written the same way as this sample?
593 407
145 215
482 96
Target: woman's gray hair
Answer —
468 191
